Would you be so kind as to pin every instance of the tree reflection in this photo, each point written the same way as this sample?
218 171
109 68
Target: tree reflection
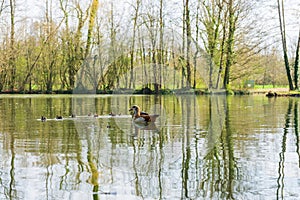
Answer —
219 168
292 106
12 193
296 124
191 155
186 148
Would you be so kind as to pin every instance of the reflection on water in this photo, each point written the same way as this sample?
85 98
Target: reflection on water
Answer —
201 147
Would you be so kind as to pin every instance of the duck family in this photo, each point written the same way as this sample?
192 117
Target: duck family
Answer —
140 116
137 115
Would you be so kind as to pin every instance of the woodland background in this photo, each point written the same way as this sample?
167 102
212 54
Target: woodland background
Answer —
62 45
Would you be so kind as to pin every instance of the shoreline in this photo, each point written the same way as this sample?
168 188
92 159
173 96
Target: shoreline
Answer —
270 92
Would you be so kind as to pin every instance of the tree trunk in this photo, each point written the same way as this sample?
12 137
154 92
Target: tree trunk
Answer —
161 42
297 63
93 13
230 44
92 16
188 44
12 58
196 44
283 40
221 56
138 2
183 43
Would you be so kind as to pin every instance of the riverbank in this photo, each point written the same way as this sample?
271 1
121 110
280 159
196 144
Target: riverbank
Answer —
184 91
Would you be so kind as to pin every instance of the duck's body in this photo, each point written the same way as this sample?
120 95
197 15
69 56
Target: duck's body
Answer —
140 116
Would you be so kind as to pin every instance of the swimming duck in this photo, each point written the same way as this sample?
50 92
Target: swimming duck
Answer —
94 115
137 116
43 118
142 113
112 114
58 117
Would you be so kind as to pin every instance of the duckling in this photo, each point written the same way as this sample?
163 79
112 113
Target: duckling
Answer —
112 114
43 118
58 117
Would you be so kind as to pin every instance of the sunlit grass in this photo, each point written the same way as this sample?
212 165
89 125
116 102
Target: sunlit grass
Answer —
269 86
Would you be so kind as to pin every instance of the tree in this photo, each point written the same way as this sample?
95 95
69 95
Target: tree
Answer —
188 43
222 46
232 19
281 16
211 19
72 44
296 65
12 56
93 13
132 48
161 45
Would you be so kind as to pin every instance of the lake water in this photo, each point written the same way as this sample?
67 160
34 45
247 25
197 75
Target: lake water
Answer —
201 147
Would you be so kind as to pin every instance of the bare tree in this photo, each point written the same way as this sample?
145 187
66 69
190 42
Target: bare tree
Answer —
12 58
296 66
161 44
211 19
3 62
132 48
188 43
281 16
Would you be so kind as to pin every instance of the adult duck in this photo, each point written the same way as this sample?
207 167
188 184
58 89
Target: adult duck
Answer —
140 116
137 116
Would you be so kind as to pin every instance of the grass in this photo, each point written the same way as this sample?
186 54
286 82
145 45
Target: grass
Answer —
269 86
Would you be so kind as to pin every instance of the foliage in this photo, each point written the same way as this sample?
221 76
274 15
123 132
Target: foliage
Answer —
75 45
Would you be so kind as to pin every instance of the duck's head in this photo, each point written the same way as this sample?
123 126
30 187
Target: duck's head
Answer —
135 109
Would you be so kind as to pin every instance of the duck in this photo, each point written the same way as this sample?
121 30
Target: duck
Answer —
138 116
43 118
58 117
112 114
153 117
141 116
94 115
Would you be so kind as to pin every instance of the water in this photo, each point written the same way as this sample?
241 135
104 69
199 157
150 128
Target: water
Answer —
201 147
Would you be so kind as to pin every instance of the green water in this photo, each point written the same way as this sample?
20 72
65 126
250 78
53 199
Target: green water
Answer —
201 147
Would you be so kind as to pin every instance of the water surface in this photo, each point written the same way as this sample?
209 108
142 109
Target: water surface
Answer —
201 147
